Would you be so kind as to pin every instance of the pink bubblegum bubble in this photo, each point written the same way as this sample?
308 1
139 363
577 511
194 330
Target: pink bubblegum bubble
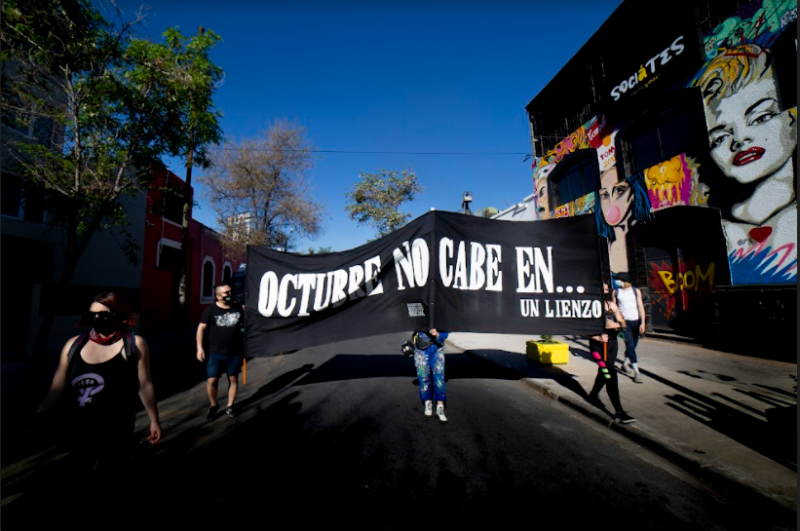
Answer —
613 215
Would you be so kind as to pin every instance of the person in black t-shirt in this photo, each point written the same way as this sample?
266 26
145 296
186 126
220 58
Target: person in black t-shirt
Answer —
223 322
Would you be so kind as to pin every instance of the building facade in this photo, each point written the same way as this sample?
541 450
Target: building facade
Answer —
32 246
161 257
675 126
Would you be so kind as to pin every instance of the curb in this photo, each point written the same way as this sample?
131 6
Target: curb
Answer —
722 482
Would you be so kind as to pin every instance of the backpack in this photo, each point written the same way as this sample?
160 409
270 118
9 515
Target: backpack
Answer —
128 338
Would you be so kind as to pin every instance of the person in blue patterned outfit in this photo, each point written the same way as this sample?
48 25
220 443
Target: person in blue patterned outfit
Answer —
429 361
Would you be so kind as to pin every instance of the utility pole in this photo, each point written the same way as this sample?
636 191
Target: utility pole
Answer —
181 314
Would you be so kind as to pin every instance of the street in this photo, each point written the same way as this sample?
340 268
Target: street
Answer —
335 435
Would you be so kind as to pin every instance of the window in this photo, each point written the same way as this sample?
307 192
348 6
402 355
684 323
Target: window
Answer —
576 176
21 200
32 127
11 194
667 135
169 256
678 126
207 281
227 273
43 130
173 202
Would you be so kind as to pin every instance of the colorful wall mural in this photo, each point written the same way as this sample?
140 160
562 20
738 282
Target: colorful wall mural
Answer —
752 140
748 173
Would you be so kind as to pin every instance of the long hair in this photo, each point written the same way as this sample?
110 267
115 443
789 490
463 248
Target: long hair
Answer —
640 207
114 303
732 69
728 72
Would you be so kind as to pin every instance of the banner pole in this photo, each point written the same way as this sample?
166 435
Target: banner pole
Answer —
432 277
602 268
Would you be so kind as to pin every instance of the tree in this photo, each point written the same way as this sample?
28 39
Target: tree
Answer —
319 250
259 192
487 212
376 198
192 80
115 100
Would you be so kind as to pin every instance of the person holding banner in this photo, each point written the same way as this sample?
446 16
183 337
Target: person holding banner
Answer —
429 361
604 350
223 321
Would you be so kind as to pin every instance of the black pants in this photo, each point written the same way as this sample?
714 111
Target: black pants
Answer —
611 383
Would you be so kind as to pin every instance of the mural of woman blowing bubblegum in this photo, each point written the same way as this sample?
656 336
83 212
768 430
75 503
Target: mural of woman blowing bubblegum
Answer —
540 189
752 141
619 204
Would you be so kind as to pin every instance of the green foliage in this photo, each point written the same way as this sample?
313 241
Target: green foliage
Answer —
319 250
375 199
487 212
546 338
117 104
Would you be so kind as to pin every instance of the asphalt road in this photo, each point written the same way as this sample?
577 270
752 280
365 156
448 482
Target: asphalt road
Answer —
335 436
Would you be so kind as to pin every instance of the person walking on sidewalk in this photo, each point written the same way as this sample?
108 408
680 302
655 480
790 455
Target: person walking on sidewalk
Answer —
604 348
429 361
223 322
97 376
629 300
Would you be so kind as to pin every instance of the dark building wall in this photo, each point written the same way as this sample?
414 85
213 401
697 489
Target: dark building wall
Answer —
693 122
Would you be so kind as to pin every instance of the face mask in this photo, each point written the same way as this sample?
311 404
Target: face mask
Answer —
104 323
227 298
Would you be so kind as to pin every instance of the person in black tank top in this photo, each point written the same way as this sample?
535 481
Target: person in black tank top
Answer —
101 412
603 349
96 388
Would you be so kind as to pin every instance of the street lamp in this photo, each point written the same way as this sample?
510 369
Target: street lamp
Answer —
466 199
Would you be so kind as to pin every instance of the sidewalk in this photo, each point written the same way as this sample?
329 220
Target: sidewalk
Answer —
729 419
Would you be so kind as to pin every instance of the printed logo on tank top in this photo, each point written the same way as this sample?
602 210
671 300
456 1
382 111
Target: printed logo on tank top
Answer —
227 320
87 386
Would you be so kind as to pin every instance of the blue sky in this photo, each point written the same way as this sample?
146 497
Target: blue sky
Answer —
402 77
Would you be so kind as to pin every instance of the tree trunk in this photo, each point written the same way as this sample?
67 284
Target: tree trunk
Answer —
181 314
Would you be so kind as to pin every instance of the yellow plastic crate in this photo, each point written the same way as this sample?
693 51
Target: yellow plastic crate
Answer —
547 353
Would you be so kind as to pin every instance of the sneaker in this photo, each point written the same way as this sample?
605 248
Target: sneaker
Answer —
623 418
428 409
626 367
229 410
212 413
637 379
440 414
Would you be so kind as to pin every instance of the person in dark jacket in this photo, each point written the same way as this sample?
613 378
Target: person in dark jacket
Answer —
429 361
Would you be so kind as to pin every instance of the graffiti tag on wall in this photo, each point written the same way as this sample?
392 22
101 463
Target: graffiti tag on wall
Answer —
758 23
675 182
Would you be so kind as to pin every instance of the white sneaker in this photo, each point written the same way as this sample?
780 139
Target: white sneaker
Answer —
440 414
428 409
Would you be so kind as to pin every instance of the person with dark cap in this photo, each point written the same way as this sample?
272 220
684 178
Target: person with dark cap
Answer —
629 300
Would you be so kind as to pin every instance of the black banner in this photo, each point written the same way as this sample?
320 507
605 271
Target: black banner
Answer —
448 270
